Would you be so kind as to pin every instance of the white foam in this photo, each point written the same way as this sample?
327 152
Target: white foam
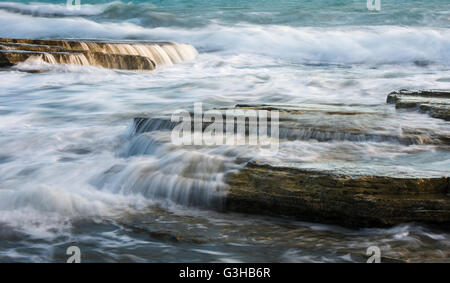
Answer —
378 44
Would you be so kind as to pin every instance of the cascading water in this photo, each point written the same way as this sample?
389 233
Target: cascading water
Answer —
172 174
136 56
74 172
165 54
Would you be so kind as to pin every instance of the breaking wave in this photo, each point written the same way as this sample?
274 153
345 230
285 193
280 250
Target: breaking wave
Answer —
344 45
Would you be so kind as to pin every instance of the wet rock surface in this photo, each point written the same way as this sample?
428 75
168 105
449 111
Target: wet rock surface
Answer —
339 135
321 123
326 197
353 123
434 102
107 54
111 61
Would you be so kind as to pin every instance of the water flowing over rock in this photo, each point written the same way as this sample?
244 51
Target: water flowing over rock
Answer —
351 198
123 55
434 102
322 123
326 197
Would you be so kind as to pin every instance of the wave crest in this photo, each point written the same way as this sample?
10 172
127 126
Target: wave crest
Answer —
343 45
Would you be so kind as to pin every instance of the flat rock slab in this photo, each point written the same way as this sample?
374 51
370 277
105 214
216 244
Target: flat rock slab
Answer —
139 55
345 185
323 125
112 61
434 102
325 197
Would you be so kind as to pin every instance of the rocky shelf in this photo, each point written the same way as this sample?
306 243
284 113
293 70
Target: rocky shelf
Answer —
326 197
322 123
434 102
107 54
352 198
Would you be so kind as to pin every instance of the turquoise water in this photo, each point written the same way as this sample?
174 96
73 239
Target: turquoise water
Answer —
320 13
71 174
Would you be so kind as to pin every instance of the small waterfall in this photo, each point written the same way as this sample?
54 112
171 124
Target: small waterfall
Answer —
159 170
112 61
191 178
49 58
127 56
296 130
168 174
142 125
73 59
162 53
165 54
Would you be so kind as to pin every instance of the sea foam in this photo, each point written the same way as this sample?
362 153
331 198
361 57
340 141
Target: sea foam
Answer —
343 45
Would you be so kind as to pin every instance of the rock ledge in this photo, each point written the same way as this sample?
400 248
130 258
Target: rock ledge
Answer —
352 201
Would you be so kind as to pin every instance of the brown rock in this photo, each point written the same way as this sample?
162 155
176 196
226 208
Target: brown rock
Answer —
138 55
353 201
112 61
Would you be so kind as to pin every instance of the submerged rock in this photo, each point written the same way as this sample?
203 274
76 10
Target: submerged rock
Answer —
434 102
326 197
115 55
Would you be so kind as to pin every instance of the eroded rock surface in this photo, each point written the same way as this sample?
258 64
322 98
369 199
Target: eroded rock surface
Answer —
106 54
335 196
353 201
322 123
346 164
434 102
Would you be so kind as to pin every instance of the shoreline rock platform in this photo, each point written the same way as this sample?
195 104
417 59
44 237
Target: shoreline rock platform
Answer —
434 102
326 197
123 55
335 196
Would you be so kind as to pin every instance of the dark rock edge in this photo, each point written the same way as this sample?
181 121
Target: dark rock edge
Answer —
325 197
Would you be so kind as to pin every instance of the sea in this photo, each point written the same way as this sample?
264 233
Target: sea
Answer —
74 171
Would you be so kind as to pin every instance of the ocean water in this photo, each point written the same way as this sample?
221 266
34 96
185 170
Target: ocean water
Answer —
72 171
